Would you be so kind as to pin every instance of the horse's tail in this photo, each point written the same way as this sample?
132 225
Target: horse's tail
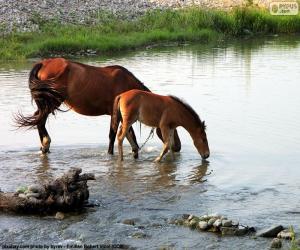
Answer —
116 116
46 97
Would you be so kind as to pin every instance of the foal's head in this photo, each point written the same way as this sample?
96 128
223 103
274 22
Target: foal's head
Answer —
200 140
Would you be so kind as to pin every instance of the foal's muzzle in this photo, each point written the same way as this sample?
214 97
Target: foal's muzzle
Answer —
205 156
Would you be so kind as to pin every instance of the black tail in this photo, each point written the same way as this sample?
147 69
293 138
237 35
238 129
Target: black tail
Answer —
46 97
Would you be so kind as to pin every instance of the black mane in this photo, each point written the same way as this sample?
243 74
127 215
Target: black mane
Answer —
191 110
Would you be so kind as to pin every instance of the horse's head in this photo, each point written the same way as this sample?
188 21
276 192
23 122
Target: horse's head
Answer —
200 141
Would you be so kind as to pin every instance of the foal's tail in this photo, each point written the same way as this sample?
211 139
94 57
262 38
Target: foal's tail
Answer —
116 117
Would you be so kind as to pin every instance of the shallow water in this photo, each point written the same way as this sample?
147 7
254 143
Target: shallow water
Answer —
248 94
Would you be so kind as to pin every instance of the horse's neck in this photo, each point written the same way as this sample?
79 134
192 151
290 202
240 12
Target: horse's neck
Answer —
188 121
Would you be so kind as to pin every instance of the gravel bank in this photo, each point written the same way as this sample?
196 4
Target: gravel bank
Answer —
26 15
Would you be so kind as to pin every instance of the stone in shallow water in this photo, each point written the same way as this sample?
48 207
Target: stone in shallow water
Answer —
270 232
139 235
59 216
226 223
285 234
276 243
234 231
217 223
35 188
203 225
193 223
35 195
129 222
23 196
211 221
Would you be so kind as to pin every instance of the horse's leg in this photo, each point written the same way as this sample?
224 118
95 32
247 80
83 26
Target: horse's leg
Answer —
112 137
176 147
132 140
172 142
166 138
44 136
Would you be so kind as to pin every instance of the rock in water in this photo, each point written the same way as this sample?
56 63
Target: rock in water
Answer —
59 216
211 221
270 232
129 222
226 223
203 225
285 234
217 223
276 243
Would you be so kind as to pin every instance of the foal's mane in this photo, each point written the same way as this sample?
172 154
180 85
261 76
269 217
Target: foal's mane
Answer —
190 110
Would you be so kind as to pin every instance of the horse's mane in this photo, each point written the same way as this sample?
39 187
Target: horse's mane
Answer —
190 110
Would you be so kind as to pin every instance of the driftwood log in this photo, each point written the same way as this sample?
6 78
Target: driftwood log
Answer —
67 193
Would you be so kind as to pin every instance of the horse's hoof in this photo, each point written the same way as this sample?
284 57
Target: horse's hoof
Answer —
135 154
157 160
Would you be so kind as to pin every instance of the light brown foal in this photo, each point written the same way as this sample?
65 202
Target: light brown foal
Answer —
164 112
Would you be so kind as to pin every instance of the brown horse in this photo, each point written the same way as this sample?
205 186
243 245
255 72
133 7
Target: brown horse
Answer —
86 89
164 112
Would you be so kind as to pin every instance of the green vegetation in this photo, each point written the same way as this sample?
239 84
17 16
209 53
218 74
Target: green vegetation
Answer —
112 34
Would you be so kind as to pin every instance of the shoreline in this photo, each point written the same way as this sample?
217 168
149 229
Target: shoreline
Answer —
113 35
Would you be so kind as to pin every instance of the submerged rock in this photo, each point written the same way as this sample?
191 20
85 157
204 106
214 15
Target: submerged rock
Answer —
234 231
211 221
270 232
139 235
276 243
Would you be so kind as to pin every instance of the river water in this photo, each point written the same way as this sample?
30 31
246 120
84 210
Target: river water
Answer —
248 93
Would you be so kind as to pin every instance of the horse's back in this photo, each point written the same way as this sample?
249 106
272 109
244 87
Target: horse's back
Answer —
52 68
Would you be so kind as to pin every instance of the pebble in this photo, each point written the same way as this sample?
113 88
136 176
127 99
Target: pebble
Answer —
193 223
203 225
59 216
276 243
129 222
270 232
285 234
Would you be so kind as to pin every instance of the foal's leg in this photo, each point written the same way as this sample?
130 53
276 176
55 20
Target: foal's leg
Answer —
166 138
132 140
44 136
121 135
176 147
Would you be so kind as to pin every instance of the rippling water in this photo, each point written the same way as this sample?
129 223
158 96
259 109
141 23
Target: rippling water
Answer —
248 94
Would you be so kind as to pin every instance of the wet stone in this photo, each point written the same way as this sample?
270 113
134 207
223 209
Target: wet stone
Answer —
35 188
23 196
35 195
226 223
139 235
193 223
129 222
190 217
211 221
203 225
59 216
285 234
217 223
276 243
270 232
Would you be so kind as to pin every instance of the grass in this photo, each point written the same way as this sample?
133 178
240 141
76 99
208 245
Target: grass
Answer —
111 34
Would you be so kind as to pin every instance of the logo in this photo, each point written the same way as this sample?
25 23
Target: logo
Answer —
284 8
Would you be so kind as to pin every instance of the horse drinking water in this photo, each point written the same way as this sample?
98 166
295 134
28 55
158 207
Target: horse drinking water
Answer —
164 112
87 90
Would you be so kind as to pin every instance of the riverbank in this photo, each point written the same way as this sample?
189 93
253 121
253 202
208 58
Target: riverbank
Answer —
112 33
